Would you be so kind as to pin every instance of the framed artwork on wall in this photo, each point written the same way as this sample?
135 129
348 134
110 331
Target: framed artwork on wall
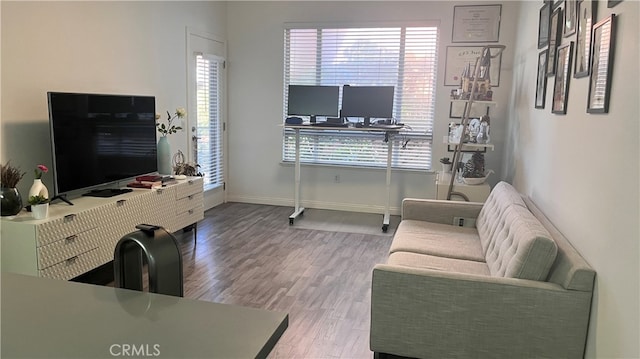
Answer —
476 23
541 83
612 3
570 17
543 25
602 66
586 13
563 75
555 30
457 59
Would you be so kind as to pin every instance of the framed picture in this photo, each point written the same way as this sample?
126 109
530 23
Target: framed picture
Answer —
457 108
586 13
563 75
541 83
543 25
612 3
457 59
555 30
570 17
602 65
476 23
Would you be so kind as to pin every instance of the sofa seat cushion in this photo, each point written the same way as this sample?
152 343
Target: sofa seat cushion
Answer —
437 239
521 248
426 261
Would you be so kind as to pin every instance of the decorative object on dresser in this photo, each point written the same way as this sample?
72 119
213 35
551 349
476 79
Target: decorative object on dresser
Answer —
76 239
182 167
38 188
164 148
39 206
11 201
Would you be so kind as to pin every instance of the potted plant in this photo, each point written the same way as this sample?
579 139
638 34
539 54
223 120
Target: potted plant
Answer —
39 206
11 202
446 164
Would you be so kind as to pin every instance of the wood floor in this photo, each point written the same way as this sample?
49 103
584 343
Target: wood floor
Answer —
249 255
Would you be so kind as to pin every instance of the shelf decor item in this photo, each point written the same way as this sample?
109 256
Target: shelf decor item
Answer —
39 206
600 81
38 188
10 199
446 164
164 148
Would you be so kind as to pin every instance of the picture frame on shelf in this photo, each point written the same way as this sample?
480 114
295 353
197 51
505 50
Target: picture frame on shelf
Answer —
543 25
541 83
587 10
563 75
457 59
555 30
476 23
602 65
570 17
457 108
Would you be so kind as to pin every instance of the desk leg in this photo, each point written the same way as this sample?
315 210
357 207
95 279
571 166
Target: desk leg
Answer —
386 218
298 210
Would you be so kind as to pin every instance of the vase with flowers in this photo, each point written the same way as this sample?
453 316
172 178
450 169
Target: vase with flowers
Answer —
10 199
164 149
38 188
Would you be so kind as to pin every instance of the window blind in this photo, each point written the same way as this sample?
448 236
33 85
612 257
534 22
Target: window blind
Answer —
209 127
403 57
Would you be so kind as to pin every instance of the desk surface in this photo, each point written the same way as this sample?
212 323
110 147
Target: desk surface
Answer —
57 319
374 128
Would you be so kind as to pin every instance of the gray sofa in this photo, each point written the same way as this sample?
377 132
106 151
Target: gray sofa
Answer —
510 286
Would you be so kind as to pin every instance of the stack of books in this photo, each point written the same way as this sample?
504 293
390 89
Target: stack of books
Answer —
152 181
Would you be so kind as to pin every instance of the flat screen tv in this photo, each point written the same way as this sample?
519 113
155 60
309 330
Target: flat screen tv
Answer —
100 139
305 100
367 102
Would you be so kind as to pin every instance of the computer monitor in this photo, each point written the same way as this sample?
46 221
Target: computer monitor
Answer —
367 102
305 100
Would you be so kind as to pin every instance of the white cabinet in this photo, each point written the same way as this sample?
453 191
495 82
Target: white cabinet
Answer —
75 239
475 193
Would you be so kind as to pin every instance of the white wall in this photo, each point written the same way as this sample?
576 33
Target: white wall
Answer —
97 47
582 170
255 54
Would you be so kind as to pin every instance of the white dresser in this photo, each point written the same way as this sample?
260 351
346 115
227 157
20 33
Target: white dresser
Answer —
475 193
76 239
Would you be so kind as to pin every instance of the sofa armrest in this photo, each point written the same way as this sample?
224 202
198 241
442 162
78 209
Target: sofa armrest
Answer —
422 313
438 211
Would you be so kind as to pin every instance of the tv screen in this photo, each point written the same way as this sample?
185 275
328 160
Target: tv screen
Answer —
99 139
367 101
313 100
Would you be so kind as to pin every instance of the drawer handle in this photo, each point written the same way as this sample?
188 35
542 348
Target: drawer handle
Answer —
69 217
71 239
71 260
190 197
190 211
121 202
159 190
190 182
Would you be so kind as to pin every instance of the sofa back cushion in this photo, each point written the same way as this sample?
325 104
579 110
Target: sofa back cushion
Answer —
521 248
489 220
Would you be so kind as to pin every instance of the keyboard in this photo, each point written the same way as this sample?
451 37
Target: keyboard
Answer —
329 124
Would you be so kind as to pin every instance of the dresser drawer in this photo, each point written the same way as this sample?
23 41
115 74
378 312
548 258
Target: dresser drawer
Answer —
189 202
69 247
189 187
190 216
74 266
63 227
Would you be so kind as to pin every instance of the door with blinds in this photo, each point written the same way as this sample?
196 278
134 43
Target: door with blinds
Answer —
207 125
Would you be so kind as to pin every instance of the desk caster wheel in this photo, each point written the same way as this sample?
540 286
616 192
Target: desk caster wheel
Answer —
291 221
385 227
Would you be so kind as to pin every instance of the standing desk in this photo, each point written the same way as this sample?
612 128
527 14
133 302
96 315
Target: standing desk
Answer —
388 132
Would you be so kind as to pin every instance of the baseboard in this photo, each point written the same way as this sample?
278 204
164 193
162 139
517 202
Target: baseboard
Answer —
336 206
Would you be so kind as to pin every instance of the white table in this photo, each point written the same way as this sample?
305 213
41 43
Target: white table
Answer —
50 318
388 133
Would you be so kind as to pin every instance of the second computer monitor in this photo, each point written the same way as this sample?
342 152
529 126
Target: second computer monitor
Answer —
313 101
367 102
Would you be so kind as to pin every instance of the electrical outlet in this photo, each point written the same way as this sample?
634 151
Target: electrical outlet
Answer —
464 222
336 179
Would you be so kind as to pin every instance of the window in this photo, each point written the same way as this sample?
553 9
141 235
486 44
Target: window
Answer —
404 57
209 153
